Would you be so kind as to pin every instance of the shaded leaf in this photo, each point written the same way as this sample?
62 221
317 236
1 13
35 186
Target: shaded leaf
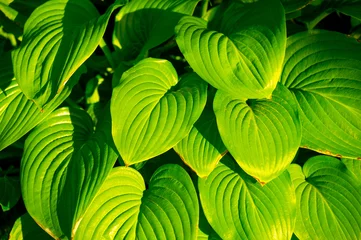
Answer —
9 192
25 228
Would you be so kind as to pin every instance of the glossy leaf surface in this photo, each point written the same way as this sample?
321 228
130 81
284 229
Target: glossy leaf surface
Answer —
322 69
58 37
144 24
152 110
125 209
238 52
238 207
262 135
328 200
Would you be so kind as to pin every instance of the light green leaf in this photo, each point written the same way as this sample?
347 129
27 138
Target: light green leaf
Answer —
9 192
125 209
202 149
64 164
144 24
328 200
18 115
238 207
353 166
322 69
25 228
152 111
58 37
262 135
238 52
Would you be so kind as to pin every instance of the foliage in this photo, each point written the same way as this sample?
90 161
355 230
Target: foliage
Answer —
180 119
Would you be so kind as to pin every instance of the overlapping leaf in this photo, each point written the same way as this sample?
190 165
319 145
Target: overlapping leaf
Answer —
322 69
238 207
63 167
240 51
203 147
152 111
58 37
9 192
262 135
294 5
18 115
328 200
144 24
26 228
124 209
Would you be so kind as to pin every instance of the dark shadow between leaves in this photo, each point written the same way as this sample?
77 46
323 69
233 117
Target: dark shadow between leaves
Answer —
6 71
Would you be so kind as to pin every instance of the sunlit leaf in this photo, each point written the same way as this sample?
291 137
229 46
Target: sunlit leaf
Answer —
25 228
152 110
328 200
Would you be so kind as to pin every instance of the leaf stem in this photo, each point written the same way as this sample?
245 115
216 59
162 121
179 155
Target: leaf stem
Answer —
204 8
108 54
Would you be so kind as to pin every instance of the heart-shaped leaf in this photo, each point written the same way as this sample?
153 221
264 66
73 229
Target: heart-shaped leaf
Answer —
63 166
124 209
240 51
328 200
202 149
58 37
238 207
262 135
151 111
26 228
143 24
18 115
322 69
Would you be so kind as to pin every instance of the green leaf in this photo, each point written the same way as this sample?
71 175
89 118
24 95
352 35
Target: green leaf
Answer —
58 37
262 135
353 166
18 115
9 192
238 52
202 149
124 209
322 69
238 207
144 24
25 228
294 5
152 111
328 200
64 164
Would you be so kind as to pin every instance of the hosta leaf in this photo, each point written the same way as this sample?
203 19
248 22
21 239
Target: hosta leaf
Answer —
63 167
25 228
353 166
238 207
18 115
125 209
328 200
9 192
58 37
202 149
240 51
262 135
144 24
322 69
152 111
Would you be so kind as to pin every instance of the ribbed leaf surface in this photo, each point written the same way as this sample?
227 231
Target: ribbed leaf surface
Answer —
262 135
124 209
322 69
238 207
328 200
203 147
143 24
152 111
18 115
58 37
240 51
63 166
